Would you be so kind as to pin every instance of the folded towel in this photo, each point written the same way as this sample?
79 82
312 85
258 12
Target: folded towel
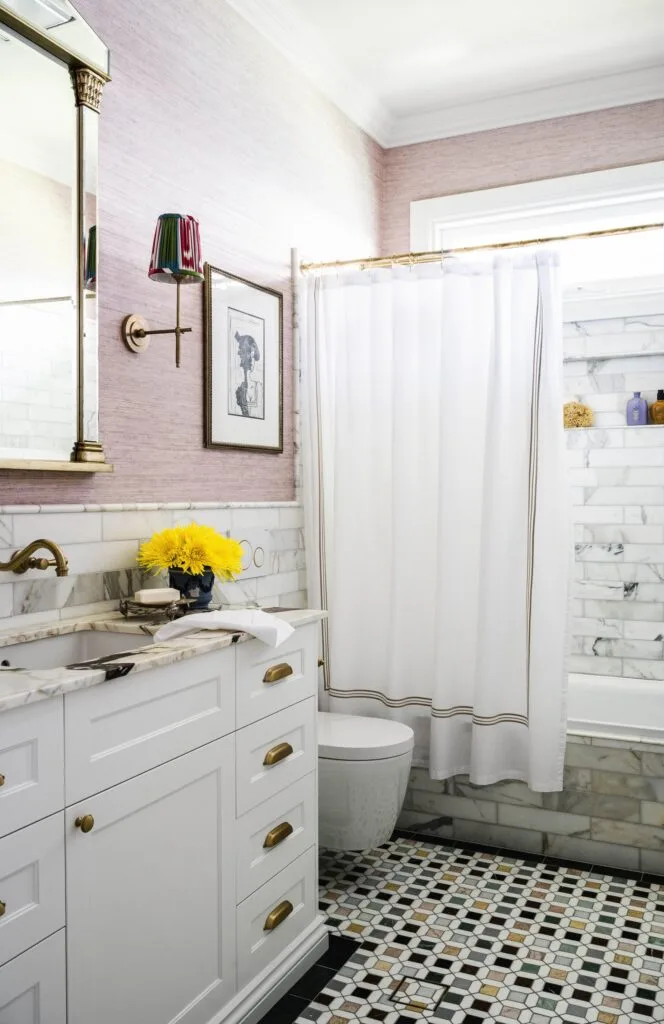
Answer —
268 628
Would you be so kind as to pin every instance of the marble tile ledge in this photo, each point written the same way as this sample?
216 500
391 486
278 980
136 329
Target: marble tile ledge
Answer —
19 686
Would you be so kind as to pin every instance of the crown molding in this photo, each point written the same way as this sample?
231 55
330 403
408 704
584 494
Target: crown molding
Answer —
280 23
536 105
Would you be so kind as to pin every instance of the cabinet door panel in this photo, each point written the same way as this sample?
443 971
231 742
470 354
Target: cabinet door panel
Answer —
31 764
32 985
117 730
32 885
150 895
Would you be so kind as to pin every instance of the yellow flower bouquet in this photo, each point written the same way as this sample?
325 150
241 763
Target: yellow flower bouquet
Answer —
192 555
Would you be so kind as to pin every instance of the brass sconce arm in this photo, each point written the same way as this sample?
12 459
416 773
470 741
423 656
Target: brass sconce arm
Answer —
22 560
135 330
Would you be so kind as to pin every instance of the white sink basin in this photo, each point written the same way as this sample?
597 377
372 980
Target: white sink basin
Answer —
70 648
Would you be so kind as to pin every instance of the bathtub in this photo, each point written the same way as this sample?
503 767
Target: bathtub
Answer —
615 707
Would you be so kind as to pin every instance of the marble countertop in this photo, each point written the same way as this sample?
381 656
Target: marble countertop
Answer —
19 686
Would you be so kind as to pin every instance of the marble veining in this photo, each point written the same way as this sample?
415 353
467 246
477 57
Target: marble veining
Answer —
617 478
25 686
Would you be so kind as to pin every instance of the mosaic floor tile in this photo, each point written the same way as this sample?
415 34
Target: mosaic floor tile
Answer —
471 937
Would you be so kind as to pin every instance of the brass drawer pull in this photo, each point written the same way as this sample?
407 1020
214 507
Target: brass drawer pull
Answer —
86 823
3 907
2 779
278 915
321 663
278 753
277 672
277 834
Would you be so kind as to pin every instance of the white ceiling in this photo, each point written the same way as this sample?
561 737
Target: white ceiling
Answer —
411 70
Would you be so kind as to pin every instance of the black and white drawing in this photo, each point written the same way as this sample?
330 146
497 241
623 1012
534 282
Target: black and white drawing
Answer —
246 364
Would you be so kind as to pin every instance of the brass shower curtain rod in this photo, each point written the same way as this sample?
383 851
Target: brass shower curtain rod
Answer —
407 258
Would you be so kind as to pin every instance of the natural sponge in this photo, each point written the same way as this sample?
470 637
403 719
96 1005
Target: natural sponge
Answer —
575 414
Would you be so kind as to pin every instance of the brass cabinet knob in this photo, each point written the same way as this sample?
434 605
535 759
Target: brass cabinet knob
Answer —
86 823
3 907
278 753
277 672
2 779
276 916
277 834
321 663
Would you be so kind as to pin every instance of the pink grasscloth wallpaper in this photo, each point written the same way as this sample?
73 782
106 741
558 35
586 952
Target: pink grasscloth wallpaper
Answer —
203 116
507 156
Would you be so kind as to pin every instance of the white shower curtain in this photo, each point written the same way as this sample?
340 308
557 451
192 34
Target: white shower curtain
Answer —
436 507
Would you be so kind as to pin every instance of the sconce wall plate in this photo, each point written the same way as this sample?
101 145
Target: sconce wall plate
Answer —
134 328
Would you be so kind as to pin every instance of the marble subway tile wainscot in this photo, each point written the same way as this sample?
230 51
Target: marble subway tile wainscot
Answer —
588 851
501 836
594 805
640 787
101 543
653 764
451 806
622 832
545 821
610 811
605 759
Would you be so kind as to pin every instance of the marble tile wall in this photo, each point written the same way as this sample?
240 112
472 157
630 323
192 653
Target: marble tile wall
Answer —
610 812
101 543
617 476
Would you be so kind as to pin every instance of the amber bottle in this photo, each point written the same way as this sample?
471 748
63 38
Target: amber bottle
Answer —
657 408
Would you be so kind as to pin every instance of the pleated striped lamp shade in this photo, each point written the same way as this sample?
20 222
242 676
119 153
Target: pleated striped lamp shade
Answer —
176 249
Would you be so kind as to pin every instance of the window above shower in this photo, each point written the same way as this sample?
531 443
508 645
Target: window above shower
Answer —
609 275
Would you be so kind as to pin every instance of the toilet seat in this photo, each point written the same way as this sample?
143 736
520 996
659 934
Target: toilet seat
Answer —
356 738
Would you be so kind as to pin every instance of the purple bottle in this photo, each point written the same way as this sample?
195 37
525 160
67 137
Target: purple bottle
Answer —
637 411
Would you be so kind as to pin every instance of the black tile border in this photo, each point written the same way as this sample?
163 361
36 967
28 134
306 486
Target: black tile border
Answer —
310 985
641 877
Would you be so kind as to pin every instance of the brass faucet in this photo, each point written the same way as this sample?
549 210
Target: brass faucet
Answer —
22 560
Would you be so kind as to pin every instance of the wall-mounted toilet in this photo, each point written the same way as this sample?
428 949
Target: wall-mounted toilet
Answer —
363 769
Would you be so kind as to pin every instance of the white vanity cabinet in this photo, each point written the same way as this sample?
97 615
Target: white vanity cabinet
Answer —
179 869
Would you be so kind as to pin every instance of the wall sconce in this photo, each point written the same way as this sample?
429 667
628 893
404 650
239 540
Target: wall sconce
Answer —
175 259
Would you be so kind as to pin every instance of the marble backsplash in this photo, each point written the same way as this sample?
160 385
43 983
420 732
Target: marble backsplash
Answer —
101 544
617 477
610 811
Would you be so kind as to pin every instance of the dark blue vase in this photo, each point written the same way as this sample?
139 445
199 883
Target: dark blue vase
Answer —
196 589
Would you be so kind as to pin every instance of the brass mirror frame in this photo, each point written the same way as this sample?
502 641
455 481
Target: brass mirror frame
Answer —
88 81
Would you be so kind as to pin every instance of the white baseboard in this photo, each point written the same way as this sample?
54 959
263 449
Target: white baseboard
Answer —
254 1001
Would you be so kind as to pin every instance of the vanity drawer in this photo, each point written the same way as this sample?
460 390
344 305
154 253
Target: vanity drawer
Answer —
275 833
122 728
287 742
31 764
32 986
290 895
269 680
32 885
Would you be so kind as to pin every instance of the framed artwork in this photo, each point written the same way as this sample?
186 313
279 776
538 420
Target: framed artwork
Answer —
243 363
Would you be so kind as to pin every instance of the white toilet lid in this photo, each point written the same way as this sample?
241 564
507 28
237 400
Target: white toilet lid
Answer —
353 738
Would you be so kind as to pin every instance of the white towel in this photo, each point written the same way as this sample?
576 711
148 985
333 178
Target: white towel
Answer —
268 628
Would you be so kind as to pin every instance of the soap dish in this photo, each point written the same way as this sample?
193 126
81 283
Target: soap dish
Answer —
140 609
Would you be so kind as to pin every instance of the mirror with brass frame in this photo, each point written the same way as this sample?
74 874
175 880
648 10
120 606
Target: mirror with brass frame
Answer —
52 71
